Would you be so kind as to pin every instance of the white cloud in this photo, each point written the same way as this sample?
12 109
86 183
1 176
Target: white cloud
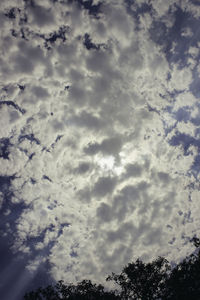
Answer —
94 146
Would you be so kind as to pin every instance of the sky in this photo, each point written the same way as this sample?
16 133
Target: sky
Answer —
99 137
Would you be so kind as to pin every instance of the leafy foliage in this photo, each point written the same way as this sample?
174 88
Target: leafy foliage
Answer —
142 281
184 280
156 280
84 290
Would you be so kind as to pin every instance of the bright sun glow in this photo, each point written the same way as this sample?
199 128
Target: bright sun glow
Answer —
108 163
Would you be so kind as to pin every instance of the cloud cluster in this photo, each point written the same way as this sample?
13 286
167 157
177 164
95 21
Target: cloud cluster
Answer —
99 137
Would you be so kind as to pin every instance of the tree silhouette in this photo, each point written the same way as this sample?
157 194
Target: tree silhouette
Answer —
184 280
84 290
156 280
142 281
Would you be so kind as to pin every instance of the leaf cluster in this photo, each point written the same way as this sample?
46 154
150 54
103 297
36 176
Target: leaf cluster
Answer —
155 280
84 290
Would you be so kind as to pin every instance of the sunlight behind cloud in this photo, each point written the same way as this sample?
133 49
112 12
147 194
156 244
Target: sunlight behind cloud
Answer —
108 164
99 132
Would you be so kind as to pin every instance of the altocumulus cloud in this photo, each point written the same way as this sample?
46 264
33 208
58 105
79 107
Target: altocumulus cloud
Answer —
99 134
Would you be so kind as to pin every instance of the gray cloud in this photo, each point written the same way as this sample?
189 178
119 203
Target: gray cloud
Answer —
104 212
39 92
77 95
83 167
88 120
121 234
99 125
133 170
98 61
104 186
41 15
109 146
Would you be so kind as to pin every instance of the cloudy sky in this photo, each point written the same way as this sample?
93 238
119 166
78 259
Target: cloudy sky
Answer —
99 137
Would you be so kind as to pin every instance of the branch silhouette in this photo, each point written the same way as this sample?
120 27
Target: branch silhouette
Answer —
155 280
